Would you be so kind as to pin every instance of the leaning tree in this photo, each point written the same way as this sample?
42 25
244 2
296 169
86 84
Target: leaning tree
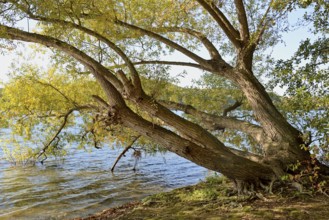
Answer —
119 43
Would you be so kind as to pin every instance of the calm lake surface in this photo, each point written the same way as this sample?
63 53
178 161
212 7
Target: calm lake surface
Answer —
83 183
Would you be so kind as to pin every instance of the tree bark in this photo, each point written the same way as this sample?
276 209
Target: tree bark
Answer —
229 164
281 142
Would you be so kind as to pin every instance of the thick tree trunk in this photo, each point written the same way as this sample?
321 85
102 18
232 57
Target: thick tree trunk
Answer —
282 143
226 162
275 125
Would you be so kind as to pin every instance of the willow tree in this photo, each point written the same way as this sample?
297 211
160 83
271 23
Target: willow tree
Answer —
120 42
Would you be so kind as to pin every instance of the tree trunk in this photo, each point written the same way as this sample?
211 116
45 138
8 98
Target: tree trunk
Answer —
282 143
225 162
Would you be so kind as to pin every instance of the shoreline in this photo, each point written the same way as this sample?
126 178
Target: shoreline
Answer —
113 212
212 199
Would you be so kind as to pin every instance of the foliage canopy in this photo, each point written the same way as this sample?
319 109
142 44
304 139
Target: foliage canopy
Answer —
110 79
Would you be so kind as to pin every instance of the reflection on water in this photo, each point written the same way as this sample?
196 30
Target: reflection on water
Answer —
83 184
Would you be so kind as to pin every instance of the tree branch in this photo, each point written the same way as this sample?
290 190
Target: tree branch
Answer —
66 115
100 101
236 105
57 90
124 151
166 41
242 17
186 128
134 74
222 21
110 84
212 50
262 25
173 63
245 154
218 122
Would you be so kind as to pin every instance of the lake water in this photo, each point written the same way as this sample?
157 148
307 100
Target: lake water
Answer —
83 183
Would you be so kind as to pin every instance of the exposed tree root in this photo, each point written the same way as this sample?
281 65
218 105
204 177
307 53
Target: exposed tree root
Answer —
253 188
259 190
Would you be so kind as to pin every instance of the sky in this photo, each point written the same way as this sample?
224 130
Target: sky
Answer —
280 51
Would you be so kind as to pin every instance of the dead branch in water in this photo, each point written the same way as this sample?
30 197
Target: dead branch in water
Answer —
124 151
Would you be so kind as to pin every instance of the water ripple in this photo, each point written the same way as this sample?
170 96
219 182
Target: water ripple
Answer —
83 184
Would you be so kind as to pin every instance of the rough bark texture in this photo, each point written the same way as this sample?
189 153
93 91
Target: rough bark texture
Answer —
279 140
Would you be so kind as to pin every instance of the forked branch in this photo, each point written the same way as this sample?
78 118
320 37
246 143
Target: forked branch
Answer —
222 21
242 17
62 126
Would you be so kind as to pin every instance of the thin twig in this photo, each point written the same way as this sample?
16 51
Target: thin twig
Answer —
43 151
56 89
